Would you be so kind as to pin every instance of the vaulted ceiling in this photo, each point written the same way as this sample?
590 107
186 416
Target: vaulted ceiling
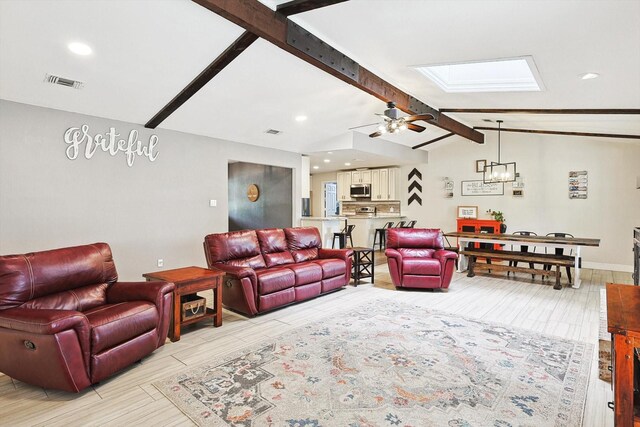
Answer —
146 51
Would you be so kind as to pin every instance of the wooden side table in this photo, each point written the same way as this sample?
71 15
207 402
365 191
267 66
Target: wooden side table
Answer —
623 321
363 264
190 280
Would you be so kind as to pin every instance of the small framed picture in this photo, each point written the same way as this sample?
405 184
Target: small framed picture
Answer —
468 212
480 164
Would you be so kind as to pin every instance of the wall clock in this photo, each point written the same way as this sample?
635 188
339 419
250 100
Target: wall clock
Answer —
253 193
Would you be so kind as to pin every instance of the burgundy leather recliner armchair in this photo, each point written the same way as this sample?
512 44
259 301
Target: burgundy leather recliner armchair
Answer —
417 259
66 322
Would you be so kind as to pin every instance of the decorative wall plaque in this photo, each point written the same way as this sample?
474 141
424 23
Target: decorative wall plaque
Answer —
253 193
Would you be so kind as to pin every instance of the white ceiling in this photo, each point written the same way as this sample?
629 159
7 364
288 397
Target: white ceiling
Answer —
146 51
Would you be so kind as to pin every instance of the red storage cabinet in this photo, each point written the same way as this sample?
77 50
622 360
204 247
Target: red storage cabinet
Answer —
468 225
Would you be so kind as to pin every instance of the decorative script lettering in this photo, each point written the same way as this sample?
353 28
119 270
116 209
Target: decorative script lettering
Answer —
109 142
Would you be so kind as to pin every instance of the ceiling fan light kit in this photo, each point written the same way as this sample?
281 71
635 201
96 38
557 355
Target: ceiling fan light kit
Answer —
393 123
496 172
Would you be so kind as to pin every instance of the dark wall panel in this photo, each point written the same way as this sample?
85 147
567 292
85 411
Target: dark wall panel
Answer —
273 208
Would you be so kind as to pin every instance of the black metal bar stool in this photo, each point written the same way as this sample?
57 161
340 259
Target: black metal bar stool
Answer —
343 236
400 224
411 224
382 234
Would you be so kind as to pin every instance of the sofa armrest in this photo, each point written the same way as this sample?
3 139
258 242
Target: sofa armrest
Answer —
139 291
43 321
342 254
237 272
392 253
444 255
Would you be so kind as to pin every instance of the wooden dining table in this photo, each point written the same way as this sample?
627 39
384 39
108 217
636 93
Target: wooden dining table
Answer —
570 243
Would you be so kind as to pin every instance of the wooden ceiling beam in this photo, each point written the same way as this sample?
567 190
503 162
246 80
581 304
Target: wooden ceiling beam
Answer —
559 132
542 110
440 138
298 6
224 59
276 28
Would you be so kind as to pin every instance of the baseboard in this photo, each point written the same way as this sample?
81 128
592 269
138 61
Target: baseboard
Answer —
614 267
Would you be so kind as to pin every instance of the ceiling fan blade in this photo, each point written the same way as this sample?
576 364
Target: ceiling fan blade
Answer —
415 128
375 134
384 116
363 126
425 117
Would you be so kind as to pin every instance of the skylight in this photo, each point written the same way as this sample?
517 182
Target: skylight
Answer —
497 75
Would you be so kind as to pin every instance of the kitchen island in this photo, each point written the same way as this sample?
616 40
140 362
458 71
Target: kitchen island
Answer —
362 234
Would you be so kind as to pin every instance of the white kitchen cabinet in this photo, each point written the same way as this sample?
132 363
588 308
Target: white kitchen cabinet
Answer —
344 186
385 184
361 177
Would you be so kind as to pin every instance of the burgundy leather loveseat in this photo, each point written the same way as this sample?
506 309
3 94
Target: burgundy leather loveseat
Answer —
269 268
417 259
66 322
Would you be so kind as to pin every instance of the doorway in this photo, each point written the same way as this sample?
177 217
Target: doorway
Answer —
331 206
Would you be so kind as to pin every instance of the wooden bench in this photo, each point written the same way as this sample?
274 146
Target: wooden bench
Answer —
525 257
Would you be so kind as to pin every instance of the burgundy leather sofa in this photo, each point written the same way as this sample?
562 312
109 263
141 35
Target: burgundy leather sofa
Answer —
417 259
269 268
66 322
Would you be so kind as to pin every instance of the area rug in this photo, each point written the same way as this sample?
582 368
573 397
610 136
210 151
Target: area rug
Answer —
391 364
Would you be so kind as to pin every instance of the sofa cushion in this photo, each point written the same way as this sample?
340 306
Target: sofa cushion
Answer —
37 274
303 243
415 238
274 279
79 299
236 248
421 266
416 252
331 267
273 244
306 272
113 324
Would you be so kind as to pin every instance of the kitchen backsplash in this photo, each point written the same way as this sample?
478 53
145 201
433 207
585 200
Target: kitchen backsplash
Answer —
382 208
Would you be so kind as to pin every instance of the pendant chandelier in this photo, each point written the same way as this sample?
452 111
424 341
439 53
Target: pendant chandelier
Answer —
497 171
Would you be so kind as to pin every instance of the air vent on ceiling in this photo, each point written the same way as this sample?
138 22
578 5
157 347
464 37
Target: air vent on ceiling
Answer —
487 120
57 80
273 132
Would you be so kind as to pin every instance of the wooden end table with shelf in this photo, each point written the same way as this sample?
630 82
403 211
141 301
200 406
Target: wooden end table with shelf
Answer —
363 264
623 320
188 281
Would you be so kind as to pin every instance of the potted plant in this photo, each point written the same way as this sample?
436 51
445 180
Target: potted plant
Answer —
498 216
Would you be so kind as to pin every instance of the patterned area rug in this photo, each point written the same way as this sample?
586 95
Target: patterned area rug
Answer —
391 364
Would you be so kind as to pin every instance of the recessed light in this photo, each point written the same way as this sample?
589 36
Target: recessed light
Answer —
589 76
347 164
301 118
327 161
329 152
316 167
79 48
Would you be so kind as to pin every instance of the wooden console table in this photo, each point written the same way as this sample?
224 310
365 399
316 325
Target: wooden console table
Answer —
190 280
623 321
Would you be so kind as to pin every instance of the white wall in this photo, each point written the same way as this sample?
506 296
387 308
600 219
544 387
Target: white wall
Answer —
145 212
610 212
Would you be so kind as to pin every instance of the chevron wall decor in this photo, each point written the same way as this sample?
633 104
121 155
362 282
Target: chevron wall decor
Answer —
415 187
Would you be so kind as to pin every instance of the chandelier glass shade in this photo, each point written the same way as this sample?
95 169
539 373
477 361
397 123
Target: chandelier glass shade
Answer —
497 171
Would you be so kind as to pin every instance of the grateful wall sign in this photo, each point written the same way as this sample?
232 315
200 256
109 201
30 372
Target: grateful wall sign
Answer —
81 142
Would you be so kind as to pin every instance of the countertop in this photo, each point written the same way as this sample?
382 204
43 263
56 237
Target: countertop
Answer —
350 217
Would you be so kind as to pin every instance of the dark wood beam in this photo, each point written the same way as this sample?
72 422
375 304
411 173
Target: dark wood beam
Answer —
224 59
559 132
440 138
542 110
298 6
274 27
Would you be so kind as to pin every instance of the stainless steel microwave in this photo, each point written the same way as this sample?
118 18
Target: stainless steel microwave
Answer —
360 190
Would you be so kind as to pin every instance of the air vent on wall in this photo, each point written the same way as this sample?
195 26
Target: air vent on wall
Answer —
273 132
57 80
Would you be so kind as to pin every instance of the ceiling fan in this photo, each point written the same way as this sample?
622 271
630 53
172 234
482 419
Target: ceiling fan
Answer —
393 123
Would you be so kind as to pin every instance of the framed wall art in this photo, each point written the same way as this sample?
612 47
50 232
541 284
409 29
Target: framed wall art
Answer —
478 188
480 164
468 212
578 184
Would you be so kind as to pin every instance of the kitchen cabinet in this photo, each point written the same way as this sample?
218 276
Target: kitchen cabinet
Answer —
385 184
361 177
344 186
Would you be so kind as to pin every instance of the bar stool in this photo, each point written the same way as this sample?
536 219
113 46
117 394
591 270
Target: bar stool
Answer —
411 224
343 236
400 224
382 232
